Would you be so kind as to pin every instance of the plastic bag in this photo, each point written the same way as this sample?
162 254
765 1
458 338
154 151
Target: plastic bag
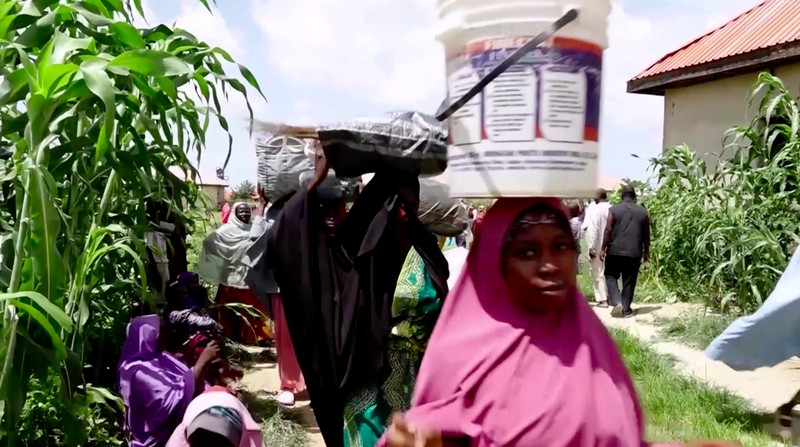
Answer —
410 141
281 161
440 213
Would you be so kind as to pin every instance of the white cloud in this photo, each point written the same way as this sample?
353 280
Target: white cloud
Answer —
210 27
382 51
150 17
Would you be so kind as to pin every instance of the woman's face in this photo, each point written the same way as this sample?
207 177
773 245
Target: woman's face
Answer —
243 213
539 261
203 438
333 215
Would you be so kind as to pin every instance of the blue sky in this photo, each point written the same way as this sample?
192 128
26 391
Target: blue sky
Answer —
320 61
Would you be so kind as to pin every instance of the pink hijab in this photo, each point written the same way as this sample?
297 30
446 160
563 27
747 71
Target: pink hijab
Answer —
501 377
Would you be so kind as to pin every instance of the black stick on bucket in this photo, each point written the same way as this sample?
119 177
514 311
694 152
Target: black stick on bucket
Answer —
563 21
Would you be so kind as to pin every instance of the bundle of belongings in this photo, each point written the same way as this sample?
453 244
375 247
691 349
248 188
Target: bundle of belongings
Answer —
411 142
408 141
281 161
286 164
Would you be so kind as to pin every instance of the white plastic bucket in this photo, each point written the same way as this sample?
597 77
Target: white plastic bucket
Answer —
533 131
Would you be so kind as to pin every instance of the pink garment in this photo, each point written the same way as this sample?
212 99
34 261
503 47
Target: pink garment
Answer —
251 433
226 212
288 367
496 376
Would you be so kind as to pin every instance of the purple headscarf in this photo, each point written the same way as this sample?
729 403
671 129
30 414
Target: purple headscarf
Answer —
155 386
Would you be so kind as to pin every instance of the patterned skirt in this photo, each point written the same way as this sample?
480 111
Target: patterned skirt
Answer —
367 413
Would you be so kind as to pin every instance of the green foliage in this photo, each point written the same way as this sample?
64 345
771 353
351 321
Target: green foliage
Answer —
642 190
724 233
94 114
486 203
92 419
244 191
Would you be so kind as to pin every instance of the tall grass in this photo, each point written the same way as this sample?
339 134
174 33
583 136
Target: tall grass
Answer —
724 234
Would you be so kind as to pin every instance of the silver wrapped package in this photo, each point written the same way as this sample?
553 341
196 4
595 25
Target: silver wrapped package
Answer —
410 141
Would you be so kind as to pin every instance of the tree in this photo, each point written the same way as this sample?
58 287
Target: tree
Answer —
244 192
94 114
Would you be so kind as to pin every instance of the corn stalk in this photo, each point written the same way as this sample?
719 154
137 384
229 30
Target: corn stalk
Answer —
94 114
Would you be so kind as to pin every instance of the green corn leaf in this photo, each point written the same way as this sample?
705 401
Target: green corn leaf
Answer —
128 35
52 311
151 63
92 17
45 223
45 324
14 87
56 77
99 84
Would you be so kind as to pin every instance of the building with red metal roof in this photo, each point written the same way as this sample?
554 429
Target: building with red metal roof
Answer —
766 34
705 83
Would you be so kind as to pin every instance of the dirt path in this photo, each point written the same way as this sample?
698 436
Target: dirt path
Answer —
264 377
765 388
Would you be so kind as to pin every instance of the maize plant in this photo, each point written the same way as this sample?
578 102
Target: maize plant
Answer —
94 112
726 233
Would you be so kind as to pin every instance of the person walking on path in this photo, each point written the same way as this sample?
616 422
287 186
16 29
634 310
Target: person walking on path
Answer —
626 243
575 225
594 227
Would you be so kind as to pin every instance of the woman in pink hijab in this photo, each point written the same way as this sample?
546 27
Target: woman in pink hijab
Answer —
518 358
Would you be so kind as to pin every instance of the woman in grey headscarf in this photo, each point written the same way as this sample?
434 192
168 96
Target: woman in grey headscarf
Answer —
222 262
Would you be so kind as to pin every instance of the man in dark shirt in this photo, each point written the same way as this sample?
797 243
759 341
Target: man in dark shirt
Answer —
625 244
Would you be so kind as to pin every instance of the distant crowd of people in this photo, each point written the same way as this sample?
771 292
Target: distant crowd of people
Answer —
617 238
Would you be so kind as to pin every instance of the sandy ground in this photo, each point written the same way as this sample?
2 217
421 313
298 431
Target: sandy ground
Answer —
766 388
264 376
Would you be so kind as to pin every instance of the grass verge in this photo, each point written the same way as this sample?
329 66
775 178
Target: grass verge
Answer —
680 409
280 427
697 330
245 357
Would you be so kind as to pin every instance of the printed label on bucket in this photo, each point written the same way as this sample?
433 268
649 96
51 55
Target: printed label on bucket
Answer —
541 114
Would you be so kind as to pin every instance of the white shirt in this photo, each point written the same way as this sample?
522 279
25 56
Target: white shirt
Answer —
594 224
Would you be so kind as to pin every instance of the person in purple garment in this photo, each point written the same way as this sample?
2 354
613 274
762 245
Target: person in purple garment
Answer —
158 378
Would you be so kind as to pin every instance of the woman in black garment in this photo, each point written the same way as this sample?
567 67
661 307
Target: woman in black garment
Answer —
337 279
